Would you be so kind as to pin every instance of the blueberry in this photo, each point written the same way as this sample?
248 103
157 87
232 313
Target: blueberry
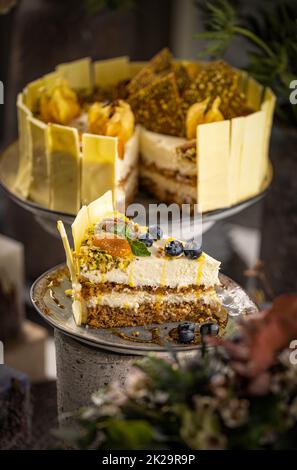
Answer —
156 232
209 329
192 249
186 336
174 248
186 326
146 238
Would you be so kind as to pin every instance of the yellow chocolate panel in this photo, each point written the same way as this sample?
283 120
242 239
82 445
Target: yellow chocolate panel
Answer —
64 168
213 165
251 156
236 142
98 166
254 94
100 207
39 188
109 72
77 73
80 227
69 257
50 78
23 179
135 67
268 108
78 309
243 80
32 93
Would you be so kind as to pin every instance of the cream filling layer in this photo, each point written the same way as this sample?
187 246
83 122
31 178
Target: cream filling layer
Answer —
130 185
160 150
134 300
161 272
171 185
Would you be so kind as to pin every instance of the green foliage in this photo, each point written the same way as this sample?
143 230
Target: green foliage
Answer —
132 434
272 31
220 20
201 404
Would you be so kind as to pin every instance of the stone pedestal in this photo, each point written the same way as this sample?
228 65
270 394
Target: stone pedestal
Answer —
82 370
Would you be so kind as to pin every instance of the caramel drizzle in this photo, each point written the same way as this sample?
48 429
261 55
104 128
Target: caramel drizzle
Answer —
163 282
200 262
130 276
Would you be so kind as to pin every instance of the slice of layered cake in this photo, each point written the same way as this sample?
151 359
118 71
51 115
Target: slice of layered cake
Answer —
125 275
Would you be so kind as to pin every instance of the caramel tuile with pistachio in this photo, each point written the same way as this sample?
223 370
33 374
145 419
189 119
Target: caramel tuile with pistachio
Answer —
159 64
218 79
158 107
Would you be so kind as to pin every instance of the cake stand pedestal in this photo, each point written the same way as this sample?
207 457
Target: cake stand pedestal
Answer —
83 370
88 359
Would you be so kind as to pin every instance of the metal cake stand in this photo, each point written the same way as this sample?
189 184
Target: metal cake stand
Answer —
51 302
88 359
47 218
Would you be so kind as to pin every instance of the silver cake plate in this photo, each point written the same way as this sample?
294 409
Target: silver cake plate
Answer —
47 218
51 302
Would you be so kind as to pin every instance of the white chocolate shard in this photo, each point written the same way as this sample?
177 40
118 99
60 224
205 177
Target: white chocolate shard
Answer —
64 168
98 208
135 67
111 71
254 94
80 227
23 179
68 252
32 91
250 179
77 73
39 188
99 154
236 139
267 106
213 165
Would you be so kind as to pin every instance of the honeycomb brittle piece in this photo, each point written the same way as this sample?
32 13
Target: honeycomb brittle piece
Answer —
159 64
217 79
158 107
183 78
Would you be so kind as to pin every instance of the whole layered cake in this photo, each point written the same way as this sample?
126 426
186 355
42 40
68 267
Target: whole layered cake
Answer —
125 275
202 131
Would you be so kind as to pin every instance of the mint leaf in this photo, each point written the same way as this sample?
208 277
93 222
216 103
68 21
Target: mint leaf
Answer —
138 248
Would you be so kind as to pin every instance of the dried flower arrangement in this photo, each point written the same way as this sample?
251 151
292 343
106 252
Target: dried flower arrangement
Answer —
240 394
